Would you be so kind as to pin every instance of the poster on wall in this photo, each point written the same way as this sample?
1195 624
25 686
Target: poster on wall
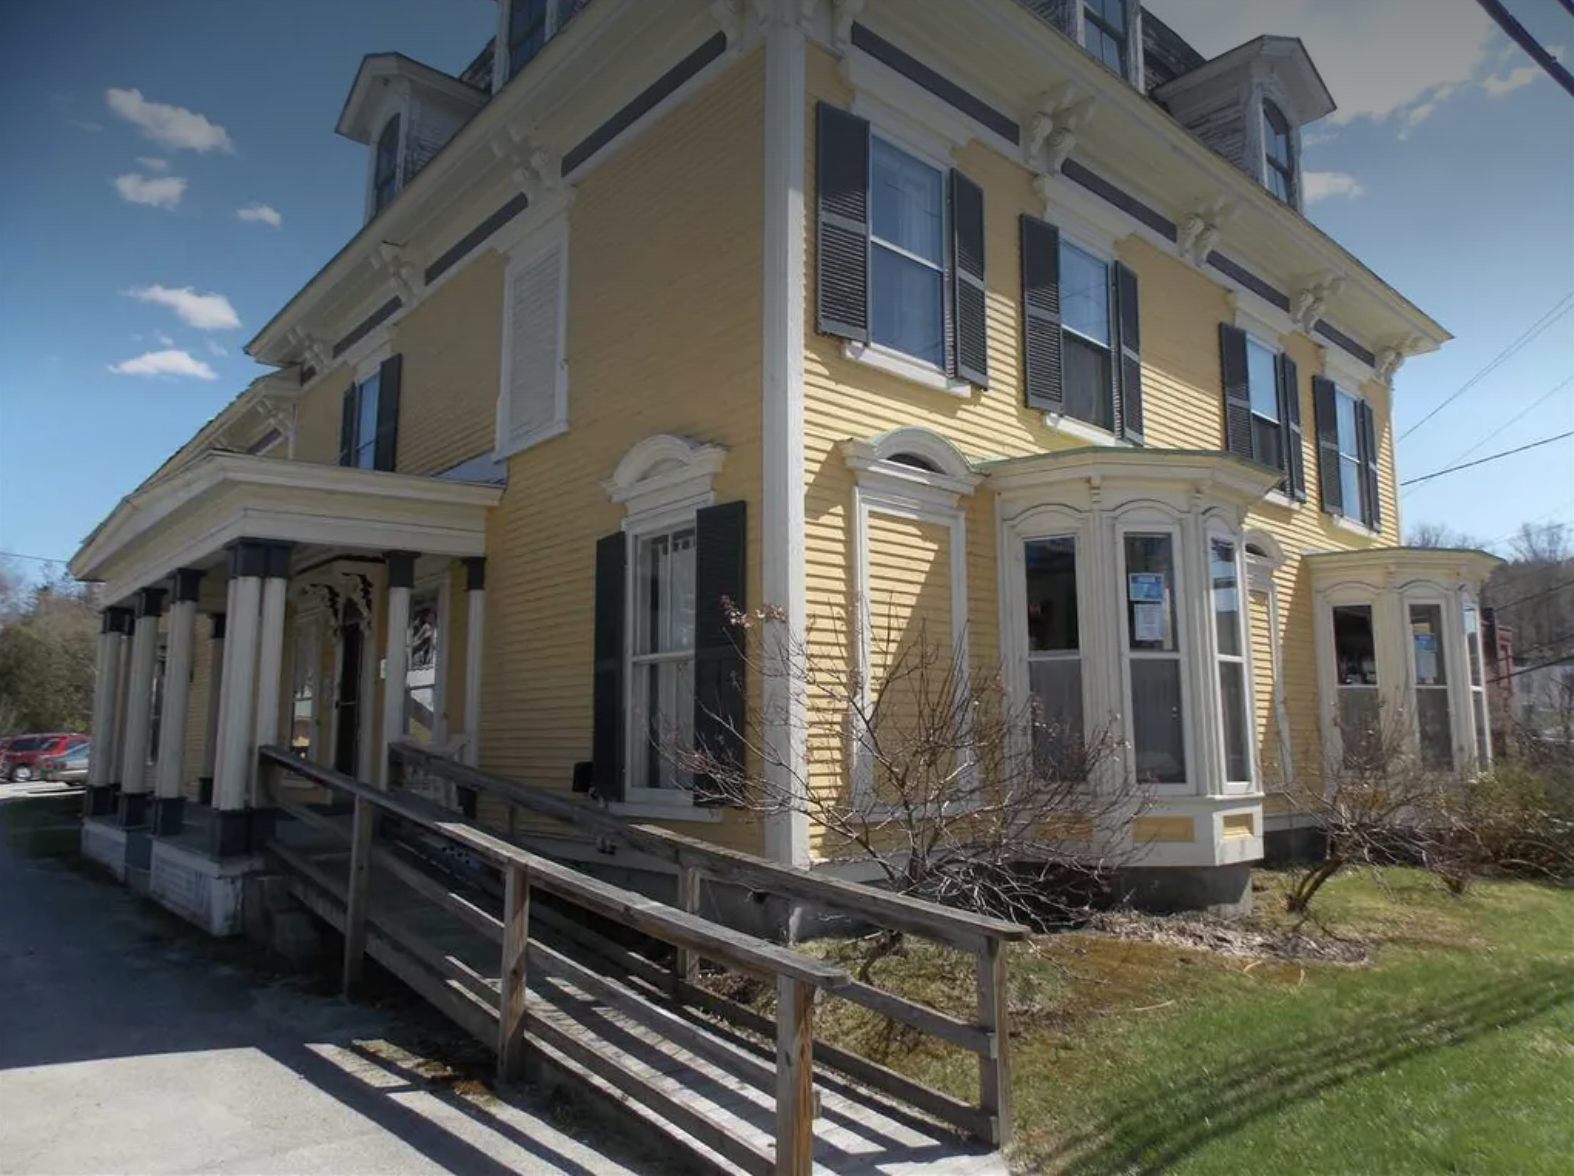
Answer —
1145 587
1426 658
1147 622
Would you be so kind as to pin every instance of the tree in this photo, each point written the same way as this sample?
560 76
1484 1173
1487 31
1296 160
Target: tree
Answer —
48 644
1533 593
1440 535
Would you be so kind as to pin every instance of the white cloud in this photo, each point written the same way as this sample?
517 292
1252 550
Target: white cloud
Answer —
1321 185
1367 53
160 192
1498 85
265 213
173 127
165 363
152 164
215 350
206 312
162 339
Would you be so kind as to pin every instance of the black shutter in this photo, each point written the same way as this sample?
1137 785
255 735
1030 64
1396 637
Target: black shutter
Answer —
386 456
842 248
1372 514
1290 421
1128 353
1041 343
347 428
1237 391
1325 403
606 740
969 315
720 543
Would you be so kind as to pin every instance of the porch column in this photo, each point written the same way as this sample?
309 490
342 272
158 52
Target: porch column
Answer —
99 800
270 659
117 726
210 738
168 804
134 781
237 704
475 619
396 657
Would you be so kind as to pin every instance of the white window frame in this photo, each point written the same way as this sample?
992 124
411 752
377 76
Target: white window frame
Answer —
501 65
1358 516
1134 62
1264 100
1073 532
1386 691
307 632
396 104
897 359
540 242
438 587
1104 253
1450 647
1479 703
1243 592
1140 525
636 744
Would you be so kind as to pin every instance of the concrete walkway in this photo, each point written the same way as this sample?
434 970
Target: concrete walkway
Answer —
128 1044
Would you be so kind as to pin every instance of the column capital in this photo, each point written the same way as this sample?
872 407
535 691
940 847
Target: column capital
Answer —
188 585
218 620
150 603
116 620
257 557
475 574
401 568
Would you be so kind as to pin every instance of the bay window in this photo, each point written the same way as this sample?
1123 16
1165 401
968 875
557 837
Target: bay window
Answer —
1087 354
1230 651
1433 726
1478 693
1054 652
662 658
1153 655
907 254
1355 662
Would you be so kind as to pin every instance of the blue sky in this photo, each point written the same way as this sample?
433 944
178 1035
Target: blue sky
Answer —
1448 170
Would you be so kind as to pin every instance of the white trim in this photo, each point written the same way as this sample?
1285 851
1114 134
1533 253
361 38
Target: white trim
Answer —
1345 370
1355 526
636 530
906 367
1254 314
910 112
1083 431
649 492
529 249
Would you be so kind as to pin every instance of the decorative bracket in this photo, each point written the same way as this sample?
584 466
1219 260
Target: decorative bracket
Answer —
843 14
1200 232
403 275
1390 359
1053 128
1311 300
314 351
534 170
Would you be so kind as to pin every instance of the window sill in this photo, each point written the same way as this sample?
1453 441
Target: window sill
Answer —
529 440
1280 498
1346 523
1072 427
914 371
664 810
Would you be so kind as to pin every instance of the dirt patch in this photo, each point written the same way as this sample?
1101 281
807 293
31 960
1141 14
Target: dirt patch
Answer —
1231 939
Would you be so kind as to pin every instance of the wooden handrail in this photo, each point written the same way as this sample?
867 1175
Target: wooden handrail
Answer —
901 912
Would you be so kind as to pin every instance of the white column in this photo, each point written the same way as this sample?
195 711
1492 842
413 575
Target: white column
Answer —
134 781
117 725
396 656
270 659
210 738
237 706
475 636
106 690
168 802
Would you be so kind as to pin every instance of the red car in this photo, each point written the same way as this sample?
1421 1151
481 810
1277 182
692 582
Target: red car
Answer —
22 758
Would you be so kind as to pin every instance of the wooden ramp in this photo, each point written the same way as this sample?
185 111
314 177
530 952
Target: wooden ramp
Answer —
736 1090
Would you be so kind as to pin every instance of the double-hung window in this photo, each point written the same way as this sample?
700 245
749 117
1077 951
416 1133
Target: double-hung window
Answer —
1054 654
1263 382
662 659
1104 32
1229 626
1431 681
1279 169
1086 340
1478 692
1352 488
385 167
1153 653
1262 406
907 263
527 31
1355 682
363 449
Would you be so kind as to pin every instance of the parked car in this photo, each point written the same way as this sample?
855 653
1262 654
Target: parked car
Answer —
23 755
70 766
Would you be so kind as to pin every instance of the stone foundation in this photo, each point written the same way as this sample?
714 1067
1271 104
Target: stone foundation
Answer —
200 889
1167 890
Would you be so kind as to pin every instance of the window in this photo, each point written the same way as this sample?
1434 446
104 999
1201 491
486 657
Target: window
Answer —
1263 382
907 263
363 448
1478 693
385 169
1351 469
662 661
1229 624
1431 678
527 31
420 679
1088 375
1355 668
1279 175
1054 654
1104 32
1158 724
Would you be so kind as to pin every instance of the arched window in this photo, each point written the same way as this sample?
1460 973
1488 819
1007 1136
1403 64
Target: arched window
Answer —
1279 175
385 172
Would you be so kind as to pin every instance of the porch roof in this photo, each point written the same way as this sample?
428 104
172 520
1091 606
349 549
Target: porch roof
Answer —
186 519
1219 474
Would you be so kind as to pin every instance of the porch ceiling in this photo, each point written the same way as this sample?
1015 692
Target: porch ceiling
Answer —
186 520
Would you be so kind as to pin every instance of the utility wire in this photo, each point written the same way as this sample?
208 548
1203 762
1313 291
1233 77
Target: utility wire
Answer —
1532 596
1564 305
34 558
1514 534
1562 661
1514 420
1483 460
1526 41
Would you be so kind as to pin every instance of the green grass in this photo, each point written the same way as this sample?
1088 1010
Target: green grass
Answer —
1451 1051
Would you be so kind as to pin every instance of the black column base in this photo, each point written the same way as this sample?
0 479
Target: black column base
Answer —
101 800
230 833
205 790
261 828
133 809
169 815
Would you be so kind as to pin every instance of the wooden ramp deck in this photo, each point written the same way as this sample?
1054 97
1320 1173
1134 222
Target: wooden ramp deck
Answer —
609 1019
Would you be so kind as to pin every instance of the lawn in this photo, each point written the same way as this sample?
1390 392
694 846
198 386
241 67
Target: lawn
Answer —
1452 1050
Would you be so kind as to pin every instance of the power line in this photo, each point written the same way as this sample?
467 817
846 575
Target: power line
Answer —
34 558
1563 306
1532 596
1514 420
1562 661
1523 38
1483 460
1514 534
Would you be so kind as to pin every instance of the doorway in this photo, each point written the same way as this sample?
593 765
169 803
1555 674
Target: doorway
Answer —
347 706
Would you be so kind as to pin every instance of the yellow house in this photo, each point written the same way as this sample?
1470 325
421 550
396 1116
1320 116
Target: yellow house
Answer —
999 315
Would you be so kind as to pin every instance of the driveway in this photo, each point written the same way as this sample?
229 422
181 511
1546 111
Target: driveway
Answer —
129 1043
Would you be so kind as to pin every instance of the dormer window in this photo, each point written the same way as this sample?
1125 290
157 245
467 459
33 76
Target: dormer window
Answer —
1279 169
1104 32
385 171
527 31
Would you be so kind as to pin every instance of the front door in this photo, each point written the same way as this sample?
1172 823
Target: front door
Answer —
347 707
